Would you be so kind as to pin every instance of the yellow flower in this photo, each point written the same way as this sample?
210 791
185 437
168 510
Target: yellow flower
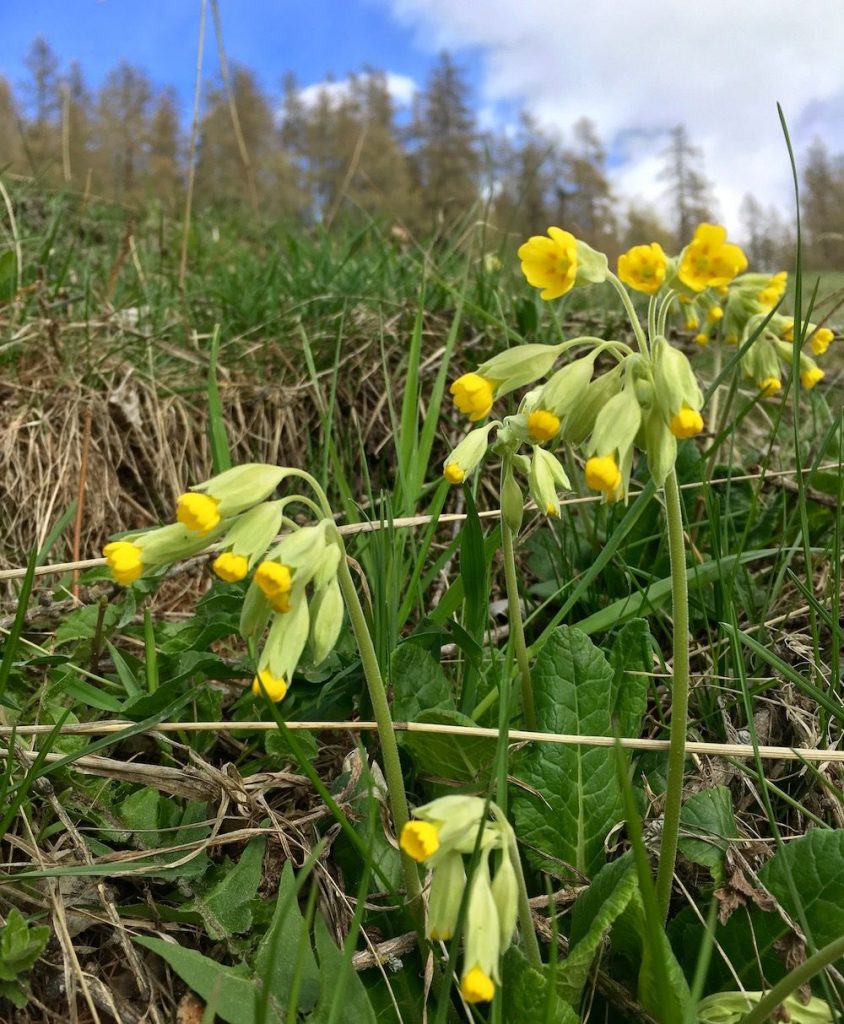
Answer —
714 314
769 386
550 263
477 987
420 839
602 474
198 512
473 394
274 686
542 425
686 423
821 340
788 331
275 581
773 290
692 321
453 473
231 567
809 378
709 261
643 267
124 560
701 339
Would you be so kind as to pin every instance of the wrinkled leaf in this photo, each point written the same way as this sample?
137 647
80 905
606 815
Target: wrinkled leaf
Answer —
708 824
528 996
224 907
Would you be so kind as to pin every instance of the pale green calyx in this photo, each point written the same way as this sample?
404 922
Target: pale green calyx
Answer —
287 637
170 543
545 478
592 267
448 881
732 1007
326 614
674 379
468 455
505 893
241 487
482 935
512 501
253 532
519 366
564 389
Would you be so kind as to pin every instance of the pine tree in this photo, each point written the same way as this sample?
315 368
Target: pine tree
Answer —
525 194
77 155
122 131
688 189
165 173
444 156
586 202
644 225
42 138
11 150
823 216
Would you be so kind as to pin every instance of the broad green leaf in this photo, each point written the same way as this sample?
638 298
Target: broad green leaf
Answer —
528 996
631 659
750 935
355 1007
708 824
459 758
225 906
593 914
12 991
574 798
232 996
279 949
419 684
20 945
140 813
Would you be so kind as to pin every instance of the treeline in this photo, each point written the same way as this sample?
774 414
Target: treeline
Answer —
345 155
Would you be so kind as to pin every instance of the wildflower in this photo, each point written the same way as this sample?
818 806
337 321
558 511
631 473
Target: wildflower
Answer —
326 620
542 425
550 263
810 377
686 422
420 839
714 314
275 687
275 580
230 567
125 560
473 394
545 477
709 261
602 474
468 455
482 939
198 512
643 267
821 340
505 893
769 386
449 823
227 494
477 987
701 339
286 640
447 884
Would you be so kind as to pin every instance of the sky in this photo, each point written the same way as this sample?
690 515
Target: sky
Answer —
636 69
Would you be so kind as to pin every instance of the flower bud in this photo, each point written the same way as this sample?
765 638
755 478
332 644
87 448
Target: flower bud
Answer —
583 412
518 366
482 936
512 502
266 683
468 455
326 620
228 494
546 477
448 880
675 384
564 389
660 445
505 893
252 533
287 638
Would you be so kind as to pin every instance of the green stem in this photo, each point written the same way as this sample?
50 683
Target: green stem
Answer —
804 972
383 718
526 930
517 629
679 694
631 312
662 315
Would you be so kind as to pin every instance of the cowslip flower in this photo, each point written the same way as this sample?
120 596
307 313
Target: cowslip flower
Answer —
468 455
276 582
125 560
643 267
227 494
709 261
247 539
230 567
542 425
550 263
820 340
275 687
473 394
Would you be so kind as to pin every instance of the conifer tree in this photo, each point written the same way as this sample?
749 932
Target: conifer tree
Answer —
165 174
11 150
688 189
76 127
586 202
525 181
123 106
42 137
444 156
823 207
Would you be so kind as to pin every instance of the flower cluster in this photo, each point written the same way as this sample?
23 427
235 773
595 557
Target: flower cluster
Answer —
647 398
294 589
444 832
741 314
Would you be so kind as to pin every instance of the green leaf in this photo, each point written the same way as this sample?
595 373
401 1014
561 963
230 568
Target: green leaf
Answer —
708 824
419 684
593 914
528 996
574 798
225 906
631 659
278 951
231 996
12 991
749 937
140 813
459 758
82 623
8 275
20 945
355 1007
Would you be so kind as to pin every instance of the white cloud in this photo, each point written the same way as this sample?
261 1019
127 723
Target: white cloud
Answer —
718 67
401 87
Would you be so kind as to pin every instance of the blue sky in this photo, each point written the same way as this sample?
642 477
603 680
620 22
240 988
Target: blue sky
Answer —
312 38
635 69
